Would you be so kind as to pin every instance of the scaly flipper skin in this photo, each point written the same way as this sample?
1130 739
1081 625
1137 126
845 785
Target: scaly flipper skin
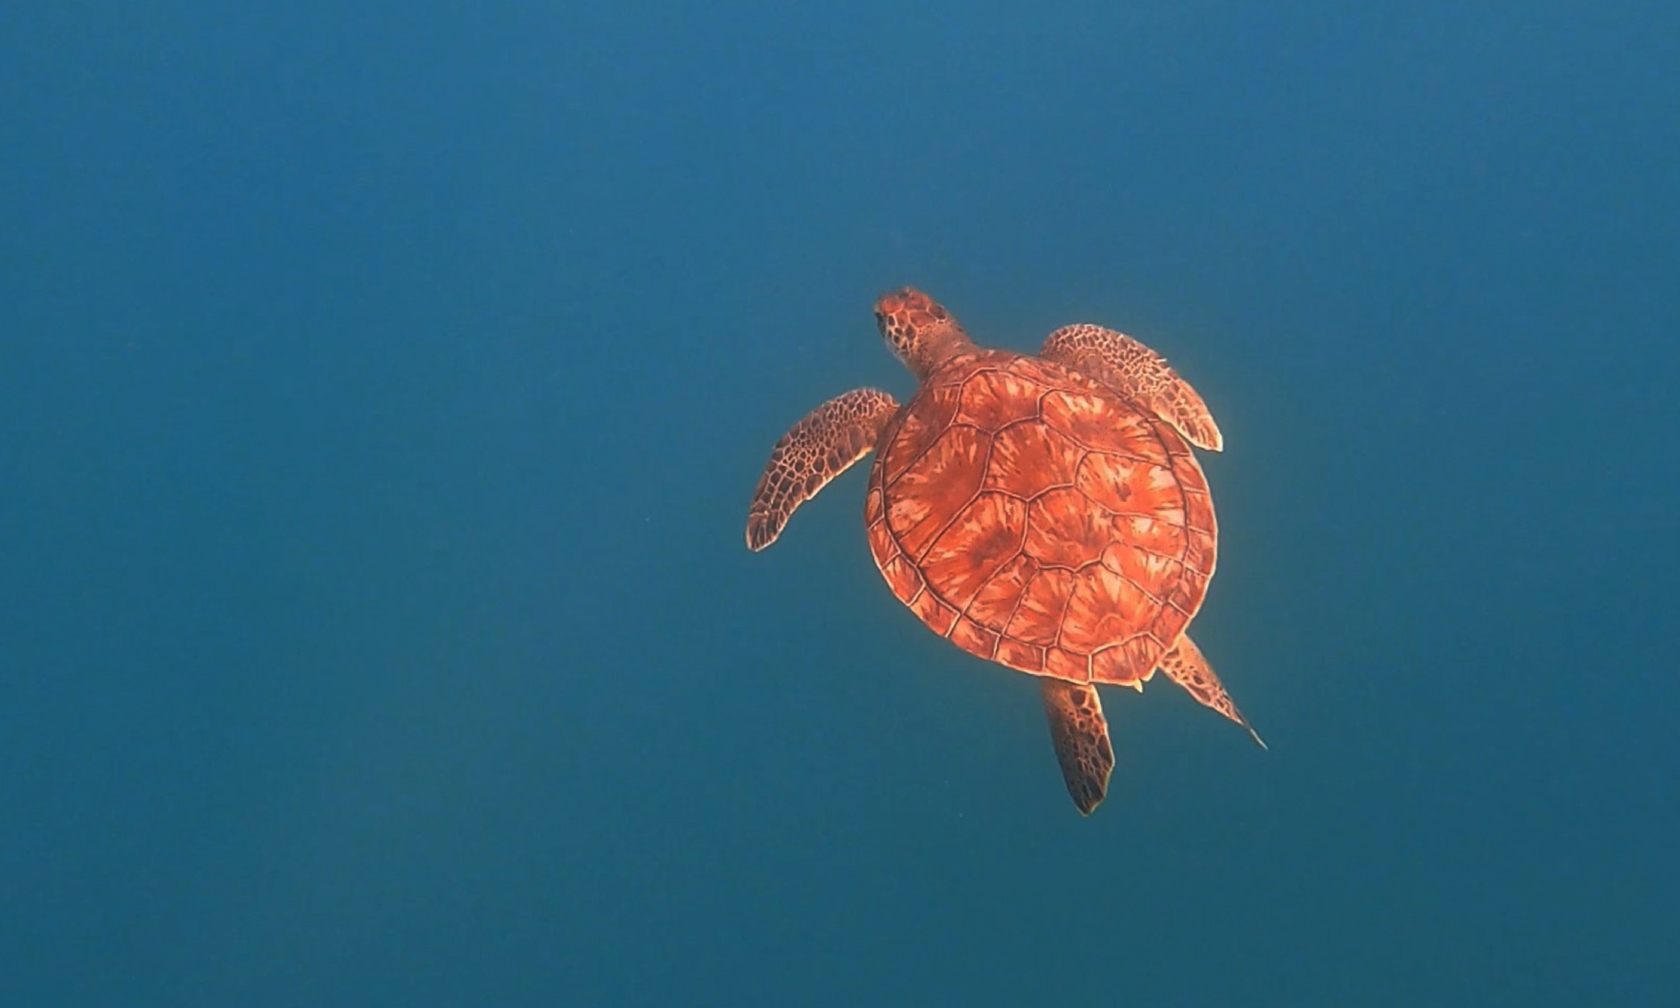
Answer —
1080 733
1137 372
817 449
1185 665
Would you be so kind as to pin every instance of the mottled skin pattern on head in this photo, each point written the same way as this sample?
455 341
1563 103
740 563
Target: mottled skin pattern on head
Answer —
1044 513
920 331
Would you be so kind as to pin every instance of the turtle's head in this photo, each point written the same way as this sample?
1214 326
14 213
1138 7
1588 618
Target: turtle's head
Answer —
920 331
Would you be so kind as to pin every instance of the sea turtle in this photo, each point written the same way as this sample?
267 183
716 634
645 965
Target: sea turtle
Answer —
1041 512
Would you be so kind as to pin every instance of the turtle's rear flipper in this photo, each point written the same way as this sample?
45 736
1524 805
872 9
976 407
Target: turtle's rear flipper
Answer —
1080 734
1185 665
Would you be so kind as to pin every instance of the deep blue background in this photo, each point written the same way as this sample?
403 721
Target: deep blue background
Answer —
381 391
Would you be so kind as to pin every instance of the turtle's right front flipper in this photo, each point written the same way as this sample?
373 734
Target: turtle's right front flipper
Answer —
817 449
1134 370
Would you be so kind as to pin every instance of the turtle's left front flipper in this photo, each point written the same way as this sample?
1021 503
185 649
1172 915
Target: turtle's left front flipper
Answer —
1137 372
817 449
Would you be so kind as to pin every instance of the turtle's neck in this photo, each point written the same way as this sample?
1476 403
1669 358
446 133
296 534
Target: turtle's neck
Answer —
939 346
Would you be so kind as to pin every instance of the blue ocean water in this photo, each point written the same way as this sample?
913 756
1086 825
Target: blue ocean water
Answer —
382 387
